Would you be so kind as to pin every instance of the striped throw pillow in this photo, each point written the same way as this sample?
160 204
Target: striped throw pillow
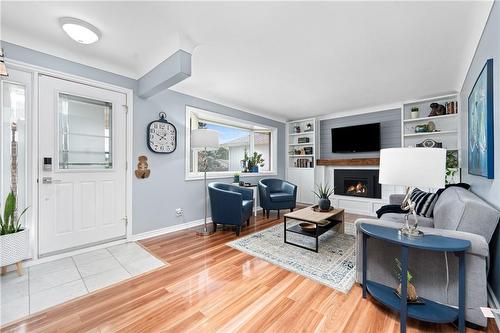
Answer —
424 202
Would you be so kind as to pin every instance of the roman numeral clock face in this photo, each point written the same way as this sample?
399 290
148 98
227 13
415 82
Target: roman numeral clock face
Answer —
162 136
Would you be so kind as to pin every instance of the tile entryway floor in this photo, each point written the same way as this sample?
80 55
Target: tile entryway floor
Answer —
55 282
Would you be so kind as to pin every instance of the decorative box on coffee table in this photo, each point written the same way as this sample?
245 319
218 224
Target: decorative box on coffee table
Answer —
323 222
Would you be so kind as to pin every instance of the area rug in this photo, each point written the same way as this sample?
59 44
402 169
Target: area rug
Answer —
333 266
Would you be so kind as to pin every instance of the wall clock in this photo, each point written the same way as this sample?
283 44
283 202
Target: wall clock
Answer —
161 135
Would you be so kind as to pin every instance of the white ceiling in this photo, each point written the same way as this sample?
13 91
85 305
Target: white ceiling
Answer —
286 60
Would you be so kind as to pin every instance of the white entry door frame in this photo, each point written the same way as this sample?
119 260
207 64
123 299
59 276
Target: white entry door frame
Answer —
36 72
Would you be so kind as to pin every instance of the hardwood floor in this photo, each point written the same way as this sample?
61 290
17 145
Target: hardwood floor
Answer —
211 287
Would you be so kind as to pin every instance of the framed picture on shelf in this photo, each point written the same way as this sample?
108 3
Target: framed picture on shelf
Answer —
480 124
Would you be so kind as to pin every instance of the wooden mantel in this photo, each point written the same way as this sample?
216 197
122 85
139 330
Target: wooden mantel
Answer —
350 161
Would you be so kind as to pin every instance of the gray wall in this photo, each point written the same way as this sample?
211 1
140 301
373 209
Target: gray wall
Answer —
156 198
390 132
488 47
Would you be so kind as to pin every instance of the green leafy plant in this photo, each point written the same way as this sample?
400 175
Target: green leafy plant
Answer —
8 223
451 159
253 160
451 165
398 269
414 109
257 159
324 191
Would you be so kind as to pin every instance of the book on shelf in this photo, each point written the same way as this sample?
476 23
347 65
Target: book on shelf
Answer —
303 163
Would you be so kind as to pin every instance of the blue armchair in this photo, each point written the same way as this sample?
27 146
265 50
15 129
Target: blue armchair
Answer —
276 194
230 205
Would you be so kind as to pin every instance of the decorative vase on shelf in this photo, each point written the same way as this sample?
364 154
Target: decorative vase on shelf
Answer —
255 169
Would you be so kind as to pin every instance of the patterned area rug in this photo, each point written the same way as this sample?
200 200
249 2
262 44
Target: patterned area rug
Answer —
333 266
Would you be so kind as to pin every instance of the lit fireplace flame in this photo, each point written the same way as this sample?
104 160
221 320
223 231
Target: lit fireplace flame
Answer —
359 188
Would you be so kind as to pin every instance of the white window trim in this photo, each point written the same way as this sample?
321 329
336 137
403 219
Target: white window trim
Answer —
228 174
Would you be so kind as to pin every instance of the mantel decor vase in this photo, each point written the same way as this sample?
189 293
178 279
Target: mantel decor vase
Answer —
324 204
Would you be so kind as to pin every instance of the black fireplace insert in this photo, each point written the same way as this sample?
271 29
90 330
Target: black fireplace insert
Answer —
357 182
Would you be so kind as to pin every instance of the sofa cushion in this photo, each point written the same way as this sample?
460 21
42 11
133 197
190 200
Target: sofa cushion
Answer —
424 202
281 197
459 209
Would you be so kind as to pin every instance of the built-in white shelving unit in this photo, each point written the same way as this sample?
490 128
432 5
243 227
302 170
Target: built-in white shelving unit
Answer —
301 157
447 126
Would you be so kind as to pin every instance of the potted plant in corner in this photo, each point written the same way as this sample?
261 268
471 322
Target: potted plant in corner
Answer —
14 239
323 192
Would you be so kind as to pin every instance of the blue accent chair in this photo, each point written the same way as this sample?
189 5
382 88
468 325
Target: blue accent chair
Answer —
276 194
230 204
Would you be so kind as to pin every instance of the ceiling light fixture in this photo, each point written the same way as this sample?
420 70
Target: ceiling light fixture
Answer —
80 31
3 69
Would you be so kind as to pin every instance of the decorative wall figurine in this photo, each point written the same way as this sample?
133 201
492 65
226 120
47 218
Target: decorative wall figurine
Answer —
142 168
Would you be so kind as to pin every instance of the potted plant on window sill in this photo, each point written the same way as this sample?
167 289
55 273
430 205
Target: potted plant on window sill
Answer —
256 160
251 163
14 239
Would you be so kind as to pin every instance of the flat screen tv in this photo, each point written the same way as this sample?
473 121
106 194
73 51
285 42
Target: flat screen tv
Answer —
353 139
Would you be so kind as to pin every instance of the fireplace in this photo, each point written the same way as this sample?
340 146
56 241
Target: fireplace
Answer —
357 182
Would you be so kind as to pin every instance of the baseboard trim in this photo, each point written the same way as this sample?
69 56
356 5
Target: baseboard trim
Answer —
170 229
493 303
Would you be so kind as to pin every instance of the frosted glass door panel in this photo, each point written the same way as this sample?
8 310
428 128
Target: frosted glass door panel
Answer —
85 140
13 115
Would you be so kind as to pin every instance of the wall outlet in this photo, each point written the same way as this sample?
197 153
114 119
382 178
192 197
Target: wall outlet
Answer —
179 212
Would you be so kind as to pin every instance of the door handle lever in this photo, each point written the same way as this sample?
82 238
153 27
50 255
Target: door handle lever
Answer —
49 180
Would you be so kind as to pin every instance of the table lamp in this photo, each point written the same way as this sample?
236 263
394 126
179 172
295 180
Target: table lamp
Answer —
204 139
412 167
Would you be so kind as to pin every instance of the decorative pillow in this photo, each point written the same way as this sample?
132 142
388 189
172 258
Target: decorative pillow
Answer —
424 202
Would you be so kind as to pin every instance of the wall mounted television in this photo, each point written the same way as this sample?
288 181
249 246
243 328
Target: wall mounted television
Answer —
353 139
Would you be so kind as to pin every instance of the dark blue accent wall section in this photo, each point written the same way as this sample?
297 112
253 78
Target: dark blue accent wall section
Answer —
488 189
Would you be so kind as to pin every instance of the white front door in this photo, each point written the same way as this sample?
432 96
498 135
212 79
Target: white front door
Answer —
82 156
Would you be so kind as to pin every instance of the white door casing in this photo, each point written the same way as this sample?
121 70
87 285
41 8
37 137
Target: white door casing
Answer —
82 197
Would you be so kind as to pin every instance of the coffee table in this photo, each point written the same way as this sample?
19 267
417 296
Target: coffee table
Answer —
324 221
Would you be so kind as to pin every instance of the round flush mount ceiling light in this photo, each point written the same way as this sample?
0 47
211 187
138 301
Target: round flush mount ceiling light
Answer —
80 31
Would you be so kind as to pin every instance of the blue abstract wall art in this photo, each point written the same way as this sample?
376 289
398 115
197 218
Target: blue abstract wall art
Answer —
480 124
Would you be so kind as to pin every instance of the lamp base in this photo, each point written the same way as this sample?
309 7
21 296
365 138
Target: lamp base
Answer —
410 232
205 231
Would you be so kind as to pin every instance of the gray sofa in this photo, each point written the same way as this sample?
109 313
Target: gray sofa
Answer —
458 213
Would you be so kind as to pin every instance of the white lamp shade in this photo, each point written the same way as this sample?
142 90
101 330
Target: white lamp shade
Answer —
414 167
204 139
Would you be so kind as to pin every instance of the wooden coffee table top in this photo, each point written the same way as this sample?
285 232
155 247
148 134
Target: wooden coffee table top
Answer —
309 215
